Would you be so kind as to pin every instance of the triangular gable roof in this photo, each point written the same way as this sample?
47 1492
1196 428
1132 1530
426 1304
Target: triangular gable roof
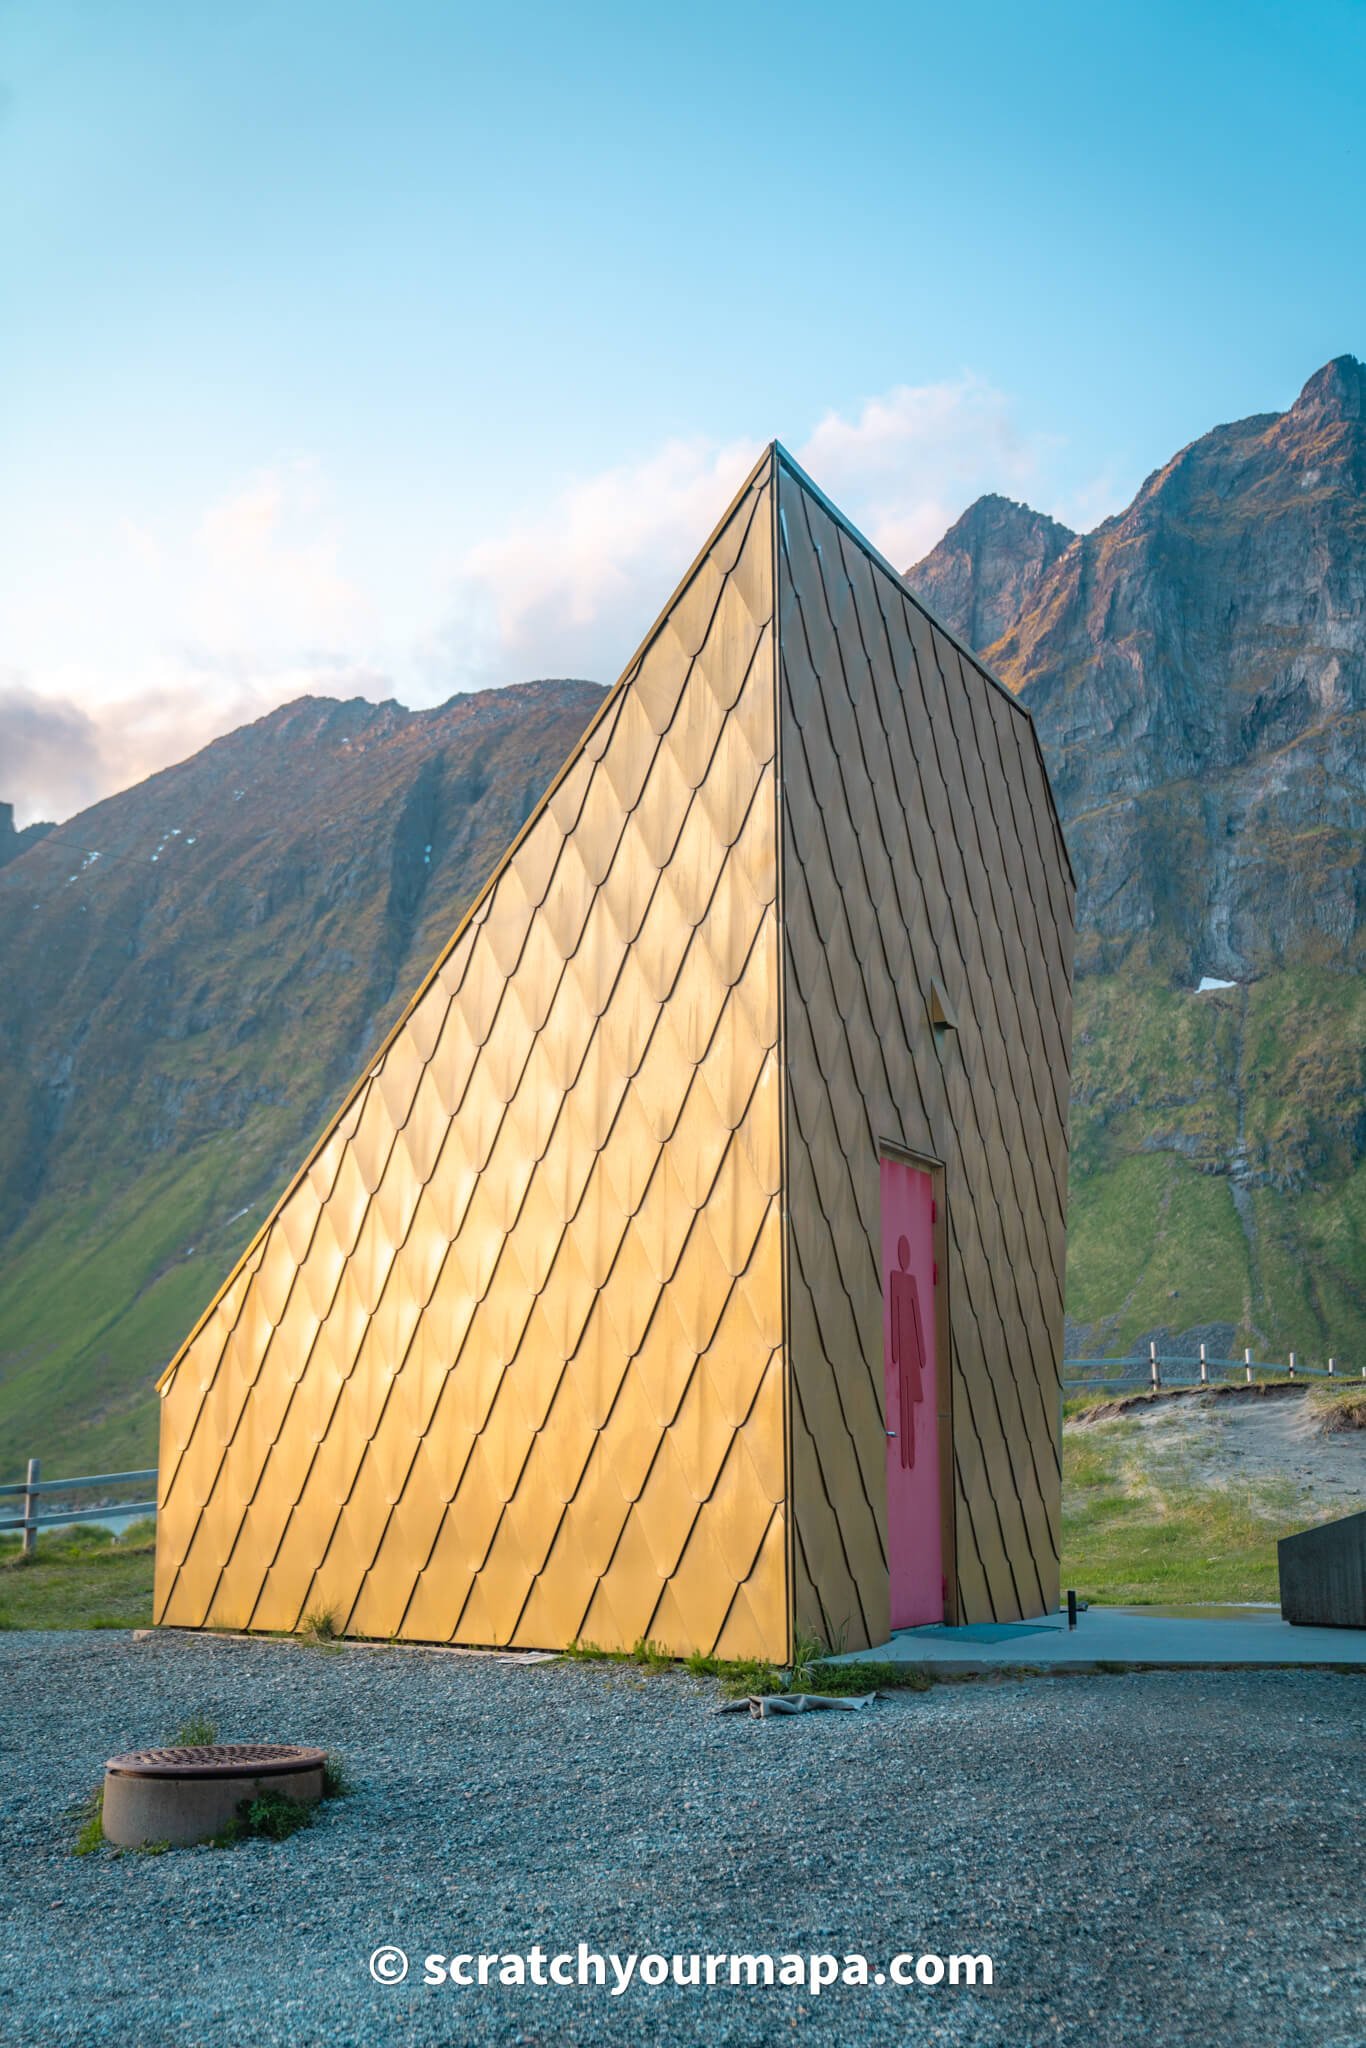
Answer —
395 1031
775 453
527 1296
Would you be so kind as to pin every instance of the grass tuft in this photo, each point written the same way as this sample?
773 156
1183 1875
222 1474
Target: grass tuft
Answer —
741 1678
647 1655
807 1651
196 1733
90 1831
1336 1409
842 1680
320 1626
336 1782
752 1677
269 1817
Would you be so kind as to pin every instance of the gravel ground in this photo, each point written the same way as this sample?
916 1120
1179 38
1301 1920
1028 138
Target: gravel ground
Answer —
1163 1859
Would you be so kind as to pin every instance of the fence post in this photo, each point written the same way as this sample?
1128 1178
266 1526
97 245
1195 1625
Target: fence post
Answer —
1204 1367
1247 1363
30 1536
1152 1366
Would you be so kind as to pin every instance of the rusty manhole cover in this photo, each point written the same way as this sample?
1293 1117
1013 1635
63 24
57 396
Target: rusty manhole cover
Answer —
190 1791
218 1760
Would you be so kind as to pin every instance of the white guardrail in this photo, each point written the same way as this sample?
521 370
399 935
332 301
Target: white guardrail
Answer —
1157 1371
1117 1373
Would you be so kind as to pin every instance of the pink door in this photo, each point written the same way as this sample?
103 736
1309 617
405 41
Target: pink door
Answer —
909 1277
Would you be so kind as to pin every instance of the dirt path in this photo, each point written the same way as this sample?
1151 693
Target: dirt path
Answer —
1265 1438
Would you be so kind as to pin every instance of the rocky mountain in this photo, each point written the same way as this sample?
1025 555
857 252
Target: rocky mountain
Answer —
192 972
986 571
1197 669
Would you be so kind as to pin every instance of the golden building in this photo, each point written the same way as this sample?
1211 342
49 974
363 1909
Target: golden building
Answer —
688 1263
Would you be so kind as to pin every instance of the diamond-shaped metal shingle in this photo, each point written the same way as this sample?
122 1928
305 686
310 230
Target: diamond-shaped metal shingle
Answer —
510 1360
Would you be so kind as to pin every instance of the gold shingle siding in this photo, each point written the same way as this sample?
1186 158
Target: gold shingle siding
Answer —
505 1366
919 843
582 1288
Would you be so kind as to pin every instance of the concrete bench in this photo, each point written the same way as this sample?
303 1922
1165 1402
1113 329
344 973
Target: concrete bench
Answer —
1323 1574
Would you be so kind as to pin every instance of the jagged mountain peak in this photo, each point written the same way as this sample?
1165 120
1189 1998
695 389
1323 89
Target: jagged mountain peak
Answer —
1196 667
993 510
1336 392
987 567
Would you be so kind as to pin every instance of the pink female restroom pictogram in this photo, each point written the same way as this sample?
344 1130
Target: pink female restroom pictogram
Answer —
910 1378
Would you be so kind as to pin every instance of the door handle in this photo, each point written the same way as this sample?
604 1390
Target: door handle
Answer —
891 1432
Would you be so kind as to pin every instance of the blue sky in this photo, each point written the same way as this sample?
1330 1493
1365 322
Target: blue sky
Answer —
404 348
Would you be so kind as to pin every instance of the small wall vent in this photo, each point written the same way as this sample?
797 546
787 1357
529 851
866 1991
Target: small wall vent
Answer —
942 1015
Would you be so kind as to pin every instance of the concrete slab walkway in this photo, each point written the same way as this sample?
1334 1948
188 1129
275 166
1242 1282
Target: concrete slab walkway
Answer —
1144 1637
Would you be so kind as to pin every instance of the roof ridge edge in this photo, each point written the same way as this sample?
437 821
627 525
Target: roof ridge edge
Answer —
783 458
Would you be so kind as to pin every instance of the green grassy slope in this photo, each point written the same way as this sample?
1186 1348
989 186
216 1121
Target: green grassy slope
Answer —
79 1578
97 1290
1215 1162
193 974
95 1295
1147 1522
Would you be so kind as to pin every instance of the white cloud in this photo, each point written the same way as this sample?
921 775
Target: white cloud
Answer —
50 750
65 750
917 456
185 630
263 564
572 589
